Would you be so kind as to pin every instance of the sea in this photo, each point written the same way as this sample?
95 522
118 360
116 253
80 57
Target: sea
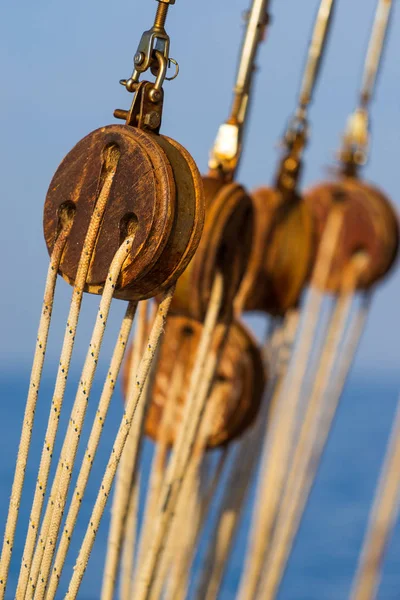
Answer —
326 550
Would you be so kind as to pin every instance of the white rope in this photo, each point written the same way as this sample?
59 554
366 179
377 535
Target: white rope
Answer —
184 531
243 461
75 426
160 460
30 408
126 470
80 487
193 412
128 551
176 550
381 522
61 380
244 457
119 444
182 579
280 435
304 465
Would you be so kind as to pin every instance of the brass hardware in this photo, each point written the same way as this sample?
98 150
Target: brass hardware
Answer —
283 237
296 135
146 109
153 43
152 54
355 141
295 140
225 154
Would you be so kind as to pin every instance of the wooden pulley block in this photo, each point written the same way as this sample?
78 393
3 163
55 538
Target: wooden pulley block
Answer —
370 226
156 192
282 251
224 246
237 388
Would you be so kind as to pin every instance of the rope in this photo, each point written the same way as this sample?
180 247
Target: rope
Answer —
205 503
127 468
160 460
243 463
194 408
119 444
381 522
280 436
78 413
30 408
375 50
277 355
316 51
184 528
80 487
177 550
61 380
303 468
128 551
240 470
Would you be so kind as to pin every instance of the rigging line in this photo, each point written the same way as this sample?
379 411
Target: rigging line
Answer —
184 521
93 442
282 427
126 470
128 551
131 525
186 528
204 508
302 461
240 471
316 51
227 149
120 440
382 519
194 408
159 461
375 50
174 551
279 356
61 380
74 431
137 446
281 338
30 408
80 487
282 335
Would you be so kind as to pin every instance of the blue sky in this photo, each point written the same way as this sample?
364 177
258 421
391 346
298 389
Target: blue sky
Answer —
60 63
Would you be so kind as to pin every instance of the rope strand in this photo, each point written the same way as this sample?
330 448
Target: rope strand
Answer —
120 441
126 473
80 487
61 382
78 413
128 551
194 408
303 462
30 408
381 522
280 436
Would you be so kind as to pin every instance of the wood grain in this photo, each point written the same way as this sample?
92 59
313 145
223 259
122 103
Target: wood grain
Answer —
143 189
